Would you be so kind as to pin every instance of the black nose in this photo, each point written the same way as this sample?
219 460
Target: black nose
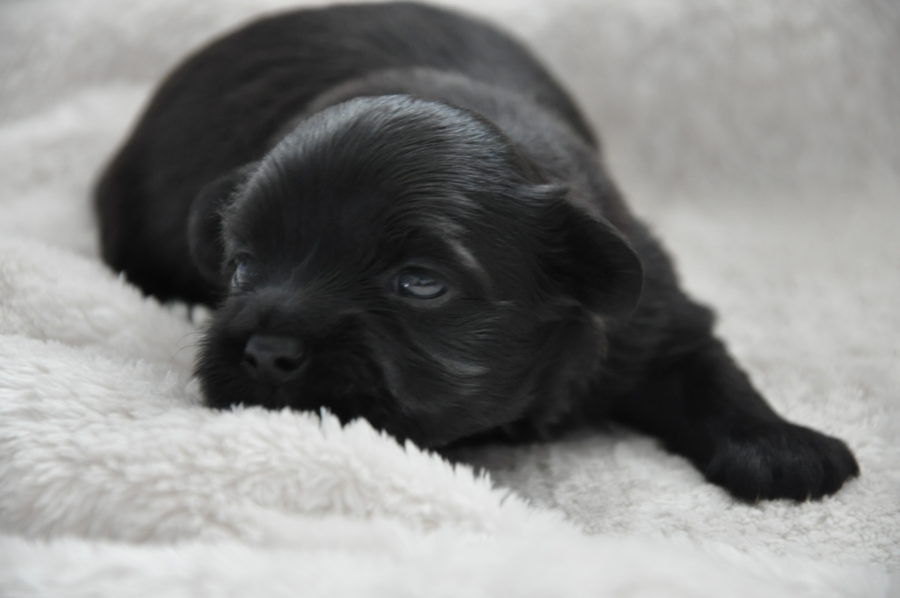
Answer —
273 359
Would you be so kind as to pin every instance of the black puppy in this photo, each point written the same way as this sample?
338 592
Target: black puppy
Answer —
400 215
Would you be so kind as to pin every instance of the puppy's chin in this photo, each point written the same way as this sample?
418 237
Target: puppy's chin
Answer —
346 385
399 390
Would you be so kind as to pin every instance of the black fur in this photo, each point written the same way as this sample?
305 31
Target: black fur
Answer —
300 172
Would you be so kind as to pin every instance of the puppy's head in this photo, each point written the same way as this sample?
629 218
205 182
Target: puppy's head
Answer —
400 260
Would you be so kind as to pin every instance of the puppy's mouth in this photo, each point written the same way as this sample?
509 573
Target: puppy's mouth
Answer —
341 377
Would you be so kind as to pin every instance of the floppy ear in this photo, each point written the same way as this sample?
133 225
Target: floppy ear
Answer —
205 220
592 260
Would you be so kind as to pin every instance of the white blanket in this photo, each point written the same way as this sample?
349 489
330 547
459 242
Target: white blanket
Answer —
763 146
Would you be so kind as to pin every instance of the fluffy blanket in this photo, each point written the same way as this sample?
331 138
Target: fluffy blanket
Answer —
760 140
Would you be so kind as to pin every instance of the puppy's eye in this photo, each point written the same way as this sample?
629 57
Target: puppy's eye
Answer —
243 272
418 284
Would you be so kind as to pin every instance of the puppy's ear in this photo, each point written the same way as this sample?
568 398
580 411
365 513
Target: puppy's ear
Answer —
591 259
205 220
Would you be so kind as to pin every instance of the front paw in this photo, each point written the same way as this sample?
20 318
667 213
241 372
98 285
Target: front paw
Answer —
779 460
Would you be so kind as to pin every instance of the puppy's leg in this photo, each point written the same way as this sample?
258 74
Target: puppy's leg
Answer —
704 407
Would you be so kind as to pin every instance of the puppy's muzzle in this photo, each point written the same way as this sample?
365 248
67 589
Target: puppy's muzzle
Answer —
274 360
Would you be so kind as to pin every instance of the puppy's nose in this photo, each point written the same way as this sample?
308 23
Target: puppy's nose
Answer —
273 359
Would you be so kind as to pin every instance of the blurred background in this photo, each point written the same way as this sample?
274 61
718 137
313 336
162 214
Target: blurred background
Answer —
710 98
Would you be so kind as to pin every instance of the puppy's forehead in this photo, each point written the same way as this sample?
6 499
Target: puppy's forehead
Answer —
368 171
337 226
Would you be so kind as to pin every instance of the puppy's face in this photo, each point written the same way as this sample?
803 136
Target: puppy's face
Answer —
399 260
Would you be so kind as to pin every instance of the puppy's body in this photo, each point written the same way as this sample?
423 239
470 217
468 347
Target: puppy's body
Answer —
401 216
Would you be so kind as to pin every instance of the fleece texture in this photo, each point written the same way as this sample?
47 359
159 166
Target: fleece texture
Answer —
759 139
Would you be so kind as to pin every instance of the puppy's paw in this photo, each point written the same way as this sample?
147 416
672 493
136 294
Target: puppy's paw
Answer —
780 460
